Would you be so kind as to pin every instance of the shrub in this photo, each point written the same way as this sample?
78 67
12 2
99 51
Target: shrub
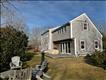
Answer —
27 56
12 43
98 59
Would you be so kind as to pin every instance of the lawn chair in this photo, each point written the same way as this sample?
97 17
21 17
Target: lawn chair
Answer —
16 63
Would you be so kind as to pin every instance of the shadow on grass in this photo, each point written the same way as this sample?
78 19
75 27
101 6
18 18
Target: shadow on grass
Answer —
97 59
88 60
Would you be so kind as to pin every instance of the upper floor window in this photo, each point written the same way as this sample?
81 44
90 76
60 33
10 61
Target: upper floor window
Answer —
96 44
59 31
82 44
62 30
65 29
85 26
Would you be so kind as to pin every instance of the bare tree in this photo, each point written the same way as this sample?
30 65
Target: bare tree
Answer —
35 39
10 16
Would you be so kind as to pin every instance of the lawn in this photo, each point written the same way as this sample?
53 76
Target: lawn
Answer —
70 69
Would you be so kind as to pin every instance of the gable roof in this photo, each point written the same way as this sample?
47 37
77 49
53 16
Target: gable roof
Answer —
67 22
93 24
84 14
45 32
61 26
52 29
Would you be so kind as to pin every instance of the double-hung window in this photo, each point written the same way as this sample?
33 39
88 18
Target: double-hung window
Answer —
82 45
85 26
96 44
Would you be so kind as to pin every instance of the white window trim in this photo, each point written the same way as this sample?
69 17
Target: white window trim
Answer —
84 45
84 26
98 44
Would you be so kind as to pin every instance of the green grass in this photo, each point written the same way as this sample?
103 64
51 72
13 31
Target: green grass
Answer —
70 69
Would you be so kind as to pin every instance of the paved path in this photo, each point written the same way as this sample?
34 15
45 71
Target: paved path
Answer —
59 55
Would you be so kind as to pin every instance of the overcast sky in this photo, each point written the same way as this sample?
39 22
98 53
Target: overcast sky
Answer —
54 13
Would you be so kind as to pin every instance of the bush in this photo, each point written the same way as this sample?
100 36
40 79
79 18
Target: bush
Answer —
27 56
98 59
12 43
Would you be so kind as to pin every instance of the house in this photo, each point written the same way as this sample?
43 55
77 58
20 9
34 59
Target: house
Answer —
77 37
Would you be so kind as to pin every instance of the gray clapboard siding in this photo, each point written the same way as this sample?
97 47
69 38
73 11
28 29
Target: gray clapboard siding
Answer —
45 40
89 35
61 35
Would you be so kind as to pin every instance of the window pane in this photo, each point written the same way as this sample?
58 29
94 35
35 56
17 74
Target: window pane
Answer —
69 47
82 42
82 46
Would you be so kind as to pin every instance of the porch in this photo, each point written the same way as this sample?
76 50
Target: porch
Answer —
65 46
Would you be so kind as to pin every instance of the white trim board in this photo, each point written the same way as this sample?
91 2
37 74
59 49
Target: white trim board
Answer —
75 47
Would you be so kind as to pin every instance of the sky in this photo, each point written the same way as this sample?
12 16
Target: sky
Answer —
55 13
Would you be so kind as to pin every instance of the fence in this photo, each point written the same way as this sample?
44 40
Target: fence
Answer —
23 74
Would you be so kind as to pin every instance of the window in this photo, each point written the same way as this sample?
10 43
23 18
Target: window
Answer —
96 44
69 50
82 44
85 26
59 32
62 29
65 29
